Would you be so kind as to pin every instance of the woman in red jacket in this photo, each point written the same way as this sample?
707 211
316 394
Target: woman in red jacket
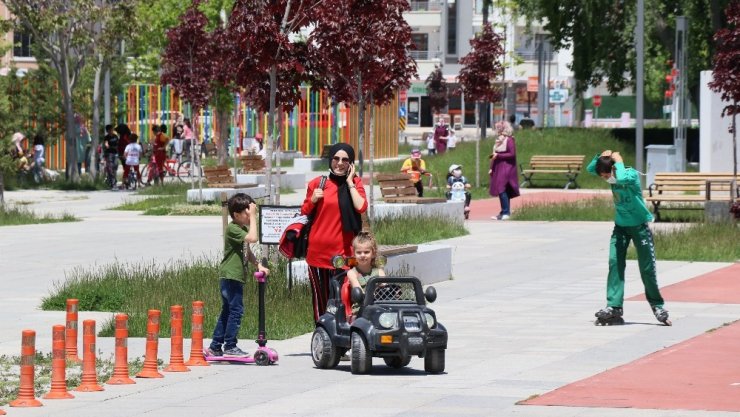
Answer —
336 213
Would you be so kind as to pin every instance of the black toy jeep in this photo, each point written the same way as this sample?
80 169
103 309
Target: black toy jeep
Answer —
393 323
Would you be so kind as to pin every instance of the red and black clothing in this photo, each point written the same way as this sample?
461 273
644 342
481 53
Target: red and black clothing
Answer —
327 237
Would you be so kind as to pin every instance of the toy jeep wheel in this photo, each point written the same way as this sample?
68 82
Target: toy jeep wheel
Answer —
323 352
397 361
362 360
434 361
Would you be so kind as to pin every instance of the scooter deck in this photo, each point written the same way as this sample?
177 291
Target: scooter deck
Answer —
248 359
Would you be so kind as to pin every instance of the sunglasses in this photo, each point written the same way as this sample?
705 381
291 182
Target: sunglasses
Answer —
338 159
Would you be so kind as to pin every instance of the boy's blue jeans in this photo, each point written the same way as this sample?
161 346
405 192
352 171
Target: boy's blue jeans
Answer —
232 309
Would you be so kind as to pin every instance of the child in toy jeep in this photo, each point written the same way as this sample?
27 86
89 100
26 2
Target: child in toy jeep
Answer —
393 323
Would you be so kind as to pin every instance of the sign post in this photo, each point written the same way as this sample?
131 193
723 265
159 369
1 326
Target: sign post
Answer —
272 221
596 100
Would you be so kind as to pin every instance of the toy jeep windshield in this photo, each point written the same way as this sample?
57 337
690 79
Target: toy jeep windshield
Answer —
393 322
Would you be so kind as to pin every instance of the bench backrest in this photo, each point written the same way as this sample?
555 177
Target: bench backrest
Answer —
396 185
573 162
691 181
325 151
218 175
252 162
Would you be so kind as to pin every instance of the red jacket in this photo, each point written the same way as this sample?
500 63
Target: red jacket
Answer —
327 238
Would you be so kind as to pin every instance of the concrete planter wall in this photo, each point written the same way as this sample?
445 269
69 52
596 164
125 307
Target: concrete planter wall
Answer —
292 180
214 194
452 210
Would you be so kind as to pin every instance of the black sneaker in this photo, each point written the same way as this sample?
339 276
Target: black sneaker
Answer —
214 352
235 352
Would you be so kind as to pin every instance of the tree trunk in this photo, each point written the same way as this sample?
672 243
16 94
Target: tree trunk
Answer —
69 117
2 189
96 119
270 133
223 133
371 159
477 146
360 120
734 141
277 156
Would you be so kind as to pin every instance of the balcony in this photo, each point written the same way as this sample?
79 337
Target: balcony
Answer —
425 55
424 13
426 6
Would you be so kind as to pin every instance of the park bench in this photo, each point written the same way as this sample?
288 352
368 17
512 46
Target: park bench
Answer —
690 189
398 188
220 177
545 166
252 164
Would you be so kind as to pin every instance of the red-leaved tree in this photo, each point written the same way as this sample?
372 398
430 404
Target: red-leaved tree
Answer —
727 70
481 69
359 52
267 59
437 91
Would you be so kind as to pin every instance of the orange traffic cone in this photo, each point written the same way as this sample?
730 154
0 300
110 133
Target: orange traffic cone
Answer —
176 358
120 369
2 413
58 389
89 373
152 346
26 394
71 345
196 336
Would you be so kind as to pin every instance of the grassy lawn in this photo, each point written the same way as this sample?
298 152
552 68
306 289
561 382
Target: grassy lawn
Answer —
15 216
592 210
705 242
556 141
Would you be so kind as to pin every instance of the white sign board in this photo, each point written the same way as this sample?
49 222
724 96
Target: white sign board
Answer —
273 220
558 95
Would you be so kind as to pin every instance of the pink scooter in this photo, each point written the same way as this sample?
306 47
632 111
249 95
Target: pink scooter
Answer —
264 355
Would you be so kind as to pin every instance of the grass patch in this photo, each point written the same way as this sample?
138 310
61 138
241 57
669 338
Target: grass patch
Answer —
705 242
137 288
15 216
168 188
151 203
184 210
415 230
10 375
591 209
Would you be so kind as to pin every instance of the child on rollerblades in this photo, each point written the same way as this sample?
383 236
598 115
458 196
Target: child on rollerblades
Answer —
239 233
457 184
630 224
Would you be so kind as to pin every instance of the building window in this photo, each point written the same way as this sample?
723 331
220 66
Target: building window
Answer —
452 29
22 45
421 41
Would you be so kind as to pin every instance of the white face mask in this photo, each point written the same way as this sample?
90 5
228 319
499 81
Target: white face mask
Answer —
611 180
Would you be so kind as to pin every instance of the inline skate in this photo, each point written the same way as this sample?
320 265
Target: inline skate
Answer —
662 315
609 316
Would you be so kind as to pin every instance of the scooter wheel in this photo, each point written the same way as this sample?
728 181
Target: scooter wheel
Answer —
261 358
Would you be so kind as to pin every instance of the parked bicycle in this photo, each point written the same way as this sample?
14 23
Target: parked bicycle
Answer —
172 168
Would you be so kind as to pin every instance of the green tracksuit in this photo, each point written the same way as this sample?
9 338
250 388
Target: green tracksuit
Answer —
630 223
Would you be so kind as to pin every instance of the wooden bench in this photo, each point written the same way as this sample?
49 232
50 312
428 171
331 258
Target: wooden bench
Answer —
252 164
209 148
558 165
220 177
398 188
694 188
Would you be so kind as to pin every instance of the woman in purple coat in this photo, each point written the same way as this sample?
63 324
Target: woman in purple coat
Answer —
441 132
504 177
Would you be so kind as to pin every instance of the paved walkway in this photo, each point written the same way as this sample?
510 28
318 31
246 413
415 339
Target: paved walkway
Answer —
519 311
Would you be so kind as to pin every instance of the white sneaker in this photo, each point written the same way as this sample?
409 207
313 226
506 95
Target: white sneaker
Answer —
505 217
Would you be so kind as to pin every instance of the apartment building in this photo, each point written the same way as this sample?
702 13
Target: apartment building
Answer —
19 53
441 31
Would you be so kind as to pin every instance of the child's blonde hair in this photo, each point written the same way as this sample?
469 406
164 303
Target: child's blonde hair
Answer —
366 238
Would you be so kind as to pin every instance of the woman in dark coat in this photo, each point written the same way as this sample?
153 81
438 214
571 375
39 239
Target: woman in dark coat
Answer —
441 132
504 177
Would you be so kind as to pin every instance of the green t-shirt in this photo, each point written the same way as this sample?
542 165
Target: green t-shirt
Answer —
232 264
364 278
629 205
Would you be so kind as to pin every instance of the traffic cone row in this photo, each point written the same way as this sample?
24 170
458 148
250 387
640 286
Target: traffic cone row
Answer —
64 347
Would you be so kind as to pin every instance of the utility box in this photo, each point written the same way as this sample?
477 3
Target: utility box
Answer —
660 158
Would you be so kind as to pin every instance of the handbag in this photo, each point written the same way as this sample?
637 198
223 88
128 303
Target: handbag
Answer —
294 240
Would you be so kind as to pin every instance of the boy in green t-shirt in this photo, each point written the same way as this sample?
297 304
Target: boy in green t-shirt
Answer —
630 224
241 232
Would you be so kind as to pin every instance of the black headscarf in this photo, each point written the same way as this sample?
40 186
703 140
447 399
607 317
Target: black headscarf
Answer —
351 220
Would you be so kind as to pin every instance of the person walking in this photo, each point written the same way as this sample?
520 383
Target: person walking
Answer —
504 180
441 132
336 209
630 224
